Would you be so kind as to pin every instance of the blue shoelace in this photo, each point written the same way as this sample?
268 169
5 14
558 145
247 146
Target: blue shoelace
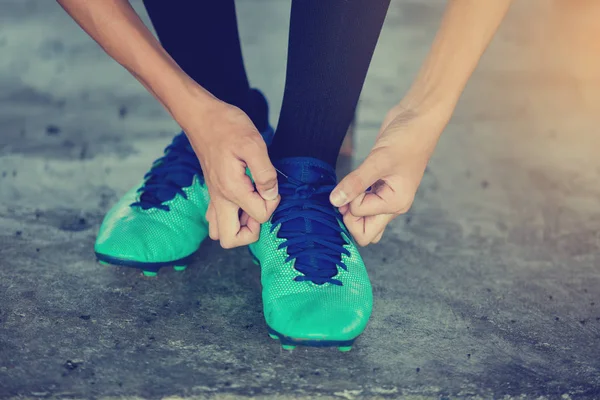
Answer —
169 175
317 252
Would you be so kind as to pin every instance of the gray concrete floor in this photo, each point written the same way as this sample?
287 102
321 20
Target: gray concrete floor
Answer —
488 288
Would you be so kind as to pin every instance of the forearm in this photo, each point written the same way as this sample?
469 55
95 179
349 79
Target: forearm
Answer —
466 30
117 28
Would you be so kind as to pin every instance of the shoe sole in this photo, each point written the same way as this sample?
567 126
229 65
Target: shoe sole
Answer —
290 343
148 268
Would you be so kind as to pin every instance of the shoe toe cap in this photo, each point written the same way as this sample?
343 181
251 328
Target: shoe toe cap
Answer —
141 238
319 319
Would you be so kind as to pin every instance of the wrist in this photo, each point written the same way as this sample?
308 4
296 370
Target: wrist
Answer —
427 121
193 108
428 107
429 95
174 87
183 98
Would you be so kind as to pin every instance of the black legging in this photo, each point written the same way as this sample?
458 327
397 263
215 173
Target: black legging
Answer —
331 43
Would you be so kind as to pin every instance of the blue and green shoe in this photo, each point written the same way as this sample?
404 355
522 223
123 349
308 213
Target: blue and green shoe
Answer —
161 221
316 291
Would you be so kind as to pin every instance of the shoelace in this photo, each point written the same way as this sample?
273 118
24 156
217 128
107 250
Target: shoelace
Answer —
317 254
169 175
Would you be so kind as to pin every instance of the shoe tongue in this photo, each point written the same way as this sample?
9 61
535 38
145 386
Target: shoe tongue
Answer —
180 178
164 194
318 173
307 170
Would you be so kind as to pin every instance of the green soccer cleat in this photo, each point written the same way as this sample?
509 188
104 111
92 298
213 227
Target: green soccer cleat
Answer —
316 291
160 222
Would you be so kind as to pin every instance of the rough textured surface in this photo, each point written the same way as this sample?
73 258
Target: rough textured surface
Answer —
487 288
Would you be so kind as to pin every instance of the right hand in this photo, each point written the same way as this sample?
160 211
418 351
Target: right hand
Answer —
226 142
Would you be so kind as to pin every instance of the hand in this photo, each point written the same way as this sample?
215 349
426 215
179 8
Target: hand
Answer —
393 171
226 142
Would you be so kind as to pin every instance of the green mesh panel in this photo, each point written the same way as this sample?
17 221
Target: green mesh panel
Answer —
154 235
304 310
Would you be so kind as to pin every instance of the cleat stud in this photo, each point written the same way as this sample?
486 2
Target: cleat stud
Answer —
179 268
288 347
103 262
344 349
274 337
149 273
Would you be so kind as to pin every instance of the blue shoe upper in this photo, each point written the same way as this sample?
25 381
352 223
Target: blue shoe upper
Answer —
169 175
308 222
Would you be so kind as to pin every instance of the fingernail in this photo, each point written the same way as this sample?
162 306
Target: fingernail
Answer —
271 194
338 198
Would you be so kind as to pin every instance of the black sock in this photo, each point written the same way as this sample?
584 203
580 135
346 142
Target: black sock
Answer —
202 37
330 47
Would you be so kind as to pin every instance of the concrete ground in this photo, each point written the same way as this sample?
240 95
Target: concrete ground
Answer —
488 288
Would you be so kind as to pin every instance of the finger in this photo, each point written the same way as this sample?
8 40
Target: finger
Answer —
378 237
366 229
231 233
256 207
360 228
249 233
382 199
241 192
211 218
254 227
244 218
344 209
263 172
271 206
357 181
250 223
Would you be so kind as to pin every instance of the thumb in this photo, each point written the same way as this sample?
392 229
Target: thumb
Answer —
263 173
266 183
359 180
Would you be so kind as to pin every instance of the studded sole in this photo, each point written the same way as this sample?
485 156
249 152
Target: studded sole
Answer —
178 268
147 268
289 343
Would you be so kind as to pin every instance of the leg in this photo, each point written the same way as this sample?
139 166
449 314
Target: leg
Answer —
330 48
202 36
316 290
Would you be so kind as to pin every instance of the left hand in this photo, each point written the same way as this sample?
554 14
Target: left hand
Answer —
393 170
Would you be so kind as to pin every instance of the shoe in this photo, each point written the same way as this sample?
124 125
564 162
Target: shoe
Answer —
316 291
161 221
